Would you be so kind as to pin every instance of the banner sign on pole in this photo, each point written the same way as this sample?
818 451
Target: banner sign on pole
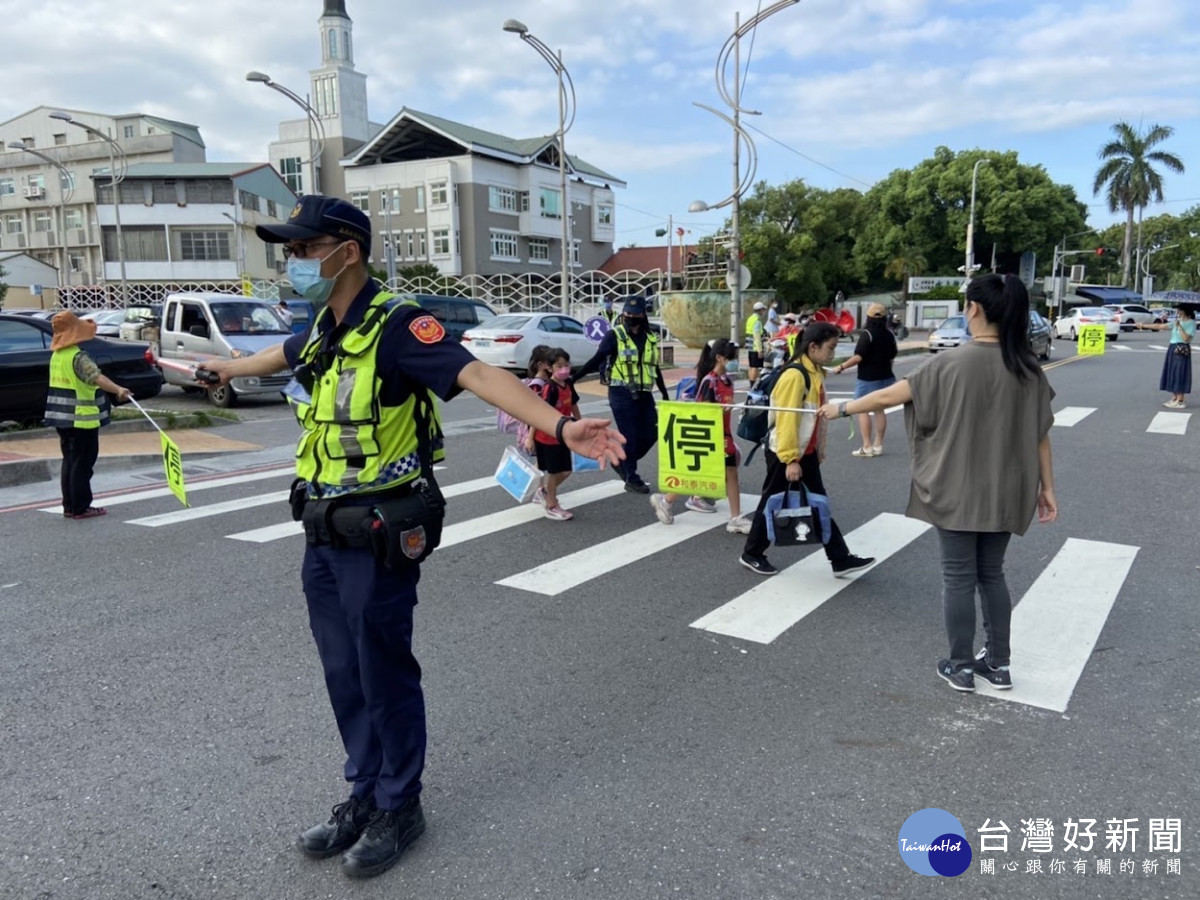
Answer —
173 466
1091 340
691 449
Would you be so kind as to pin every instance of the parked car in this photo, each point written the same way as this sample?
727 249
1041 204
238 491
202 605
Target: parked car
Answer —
457 314
506 340
1164 316
950 334
198 326
1067 325
108 321
1131 314
32 312
25 367
1039 335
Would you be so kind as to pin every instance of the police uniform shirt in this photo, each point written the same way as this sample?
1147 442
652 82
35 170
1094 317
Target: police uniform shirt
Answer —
402 357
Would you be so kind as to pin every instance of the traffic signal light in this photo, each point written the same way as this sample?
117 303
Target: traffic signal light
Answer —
1105 251
660 232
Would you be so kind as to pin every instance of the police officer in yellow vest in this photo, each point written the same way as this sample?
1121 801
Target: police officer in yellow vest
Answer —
366 374
754 341
76 410
633 348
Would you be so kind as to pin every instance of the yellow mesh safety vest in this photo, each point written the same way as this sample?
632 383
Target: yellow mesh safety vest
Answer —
71 401
633 369
351 442
756 343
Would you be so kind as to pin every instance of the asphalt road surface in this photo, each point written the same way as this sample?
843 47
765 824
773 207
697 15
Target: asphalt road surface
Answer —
617 709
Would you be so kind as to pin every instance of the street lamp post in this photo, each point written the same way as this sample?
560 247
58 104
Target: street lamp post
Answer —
64 197
241 245
565 122
315 150
1059 256
971 223
115 177
733 99
1147 282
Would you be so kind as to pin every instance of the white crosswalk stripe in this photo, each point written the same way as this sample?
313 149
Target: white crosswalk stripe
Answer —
1169 423
1121 347
567 572
1158 347
153 493
1058 621
1070 416
773 606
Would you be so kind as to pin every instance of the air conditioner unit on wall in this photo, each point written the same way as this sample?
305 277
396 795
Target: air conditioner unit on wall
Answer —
1078 273
33 192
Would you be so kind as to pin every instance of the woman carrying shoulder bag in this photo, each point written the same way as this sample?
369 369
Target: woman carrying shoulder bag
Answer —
978 423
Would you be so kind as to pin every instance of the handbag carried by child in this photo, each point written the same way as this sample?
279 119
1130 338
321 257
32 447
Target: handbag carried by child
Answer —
793 521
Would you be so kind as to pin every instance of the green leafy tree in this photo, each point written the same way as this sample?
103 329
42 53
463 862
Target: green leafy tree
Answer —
1129 178
902 267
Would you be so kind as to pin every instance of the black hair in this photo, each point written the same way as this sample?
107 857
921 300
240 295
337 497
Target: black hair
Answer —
1005 304
814 333
537 356
1189 309
554 354
708 356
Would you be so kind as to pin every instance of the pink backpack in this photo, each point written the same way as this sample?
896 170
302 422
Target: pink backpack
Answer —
506 424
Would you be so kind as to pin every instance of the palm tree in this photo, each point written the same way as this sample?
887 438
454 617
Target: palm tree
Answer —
1131 179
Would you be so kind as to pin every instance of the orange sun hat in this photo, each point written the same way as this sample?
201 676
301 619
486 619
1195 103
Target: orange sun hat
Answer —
70 330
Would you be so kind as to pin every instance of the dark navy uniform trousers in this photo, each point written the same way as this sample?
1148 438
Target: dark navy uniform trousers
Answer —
636 417
361 615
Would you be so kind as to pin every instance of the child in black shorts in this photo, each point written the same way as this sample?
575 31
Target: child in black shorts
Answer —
553 458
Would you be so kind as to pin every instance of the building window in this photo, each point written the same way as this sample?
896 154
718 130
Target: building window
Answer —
420 199
37 182
333 43
272 209
548 200
410 245
421 252
539 250
438 193
142 243
502 199
13 224
326 96
66 180
441 242
59 140
604 214
75 259
361 200
42 220
204 245
575 252
74 218
247 200
504 245
346 44
389 200
28 142
289 168
128 131
7 188
270 255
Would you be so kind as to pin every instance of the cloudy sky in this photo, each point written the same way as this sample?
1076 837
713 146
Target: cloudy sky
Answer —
848 89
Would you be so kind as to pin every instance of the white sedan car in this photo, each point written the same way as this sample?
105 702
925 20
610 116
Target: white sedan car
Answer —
1068 324
507 340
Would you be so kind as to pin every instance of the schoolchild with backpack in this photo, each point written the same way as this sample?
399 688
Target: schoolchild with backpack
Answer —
713 385
554 457
538 375
795 447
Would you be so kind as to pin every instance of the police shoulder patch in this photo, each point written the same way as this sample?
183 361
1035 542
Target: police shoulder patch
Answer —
427 329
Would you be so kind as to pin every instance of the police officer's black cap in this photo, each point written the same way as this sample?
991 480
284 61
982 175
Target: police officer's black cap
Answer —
634 306
316 216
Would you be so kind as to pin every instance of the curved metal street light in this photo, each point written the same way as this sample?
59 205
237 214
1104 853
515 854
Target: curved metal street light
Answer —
64 197
118 168
731 50
566 118
314 121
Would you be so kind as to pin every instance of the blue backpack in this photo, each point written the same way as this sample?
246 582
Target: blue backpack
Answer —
754 425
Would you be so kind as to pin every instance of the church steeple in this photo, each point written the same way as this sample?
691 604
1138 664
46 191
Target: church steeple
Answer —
336 30
335 8
339 94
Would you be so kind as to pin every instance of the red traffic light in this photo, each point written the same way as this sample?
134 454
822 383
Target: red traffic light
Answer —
1099 251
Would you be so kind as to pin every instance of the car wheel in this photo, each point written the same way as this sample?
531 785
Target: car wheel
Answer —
222 397
1071 333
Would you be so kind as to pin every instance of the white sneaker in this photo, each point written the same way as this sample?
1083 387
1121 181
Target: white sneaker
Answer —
662 509
557 512
701 505
540 497
877 450
739 525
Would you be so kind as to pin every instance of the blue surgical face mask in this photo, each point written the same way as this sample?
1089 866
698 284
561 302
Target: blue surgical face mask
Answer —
307 281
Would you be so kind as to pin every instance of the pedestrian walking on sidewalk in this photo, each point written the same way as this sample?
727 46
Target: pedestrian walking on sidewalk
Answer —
978 423
365 377
77 407
635 373
714 386
873 355
796 449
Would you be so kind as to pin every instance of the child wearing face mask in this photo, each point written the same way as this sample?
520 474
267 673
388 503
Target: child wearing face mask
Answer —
553 458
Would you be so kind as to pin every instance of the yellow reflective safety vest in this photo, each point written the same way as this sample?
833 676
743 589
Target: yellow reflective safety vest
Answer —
754 331
71 401
352 443
634 368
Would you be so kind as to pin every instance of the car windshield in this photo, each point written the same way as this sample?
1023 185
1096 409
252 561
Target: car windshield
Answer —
514 322
138 313
248 318
954 323
1094 312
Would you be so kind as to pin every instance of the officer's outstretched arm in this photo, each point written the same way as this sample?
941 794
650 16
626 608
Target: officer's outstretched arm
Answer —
265 362
591 437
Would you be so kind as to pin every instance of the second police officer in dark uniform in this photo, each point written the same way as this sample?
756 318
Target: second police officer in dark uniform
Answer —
633 349
366 373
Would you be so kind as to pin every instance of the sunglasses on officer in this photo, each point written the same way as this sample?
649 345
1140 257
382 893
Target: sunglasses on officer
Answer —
305 249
